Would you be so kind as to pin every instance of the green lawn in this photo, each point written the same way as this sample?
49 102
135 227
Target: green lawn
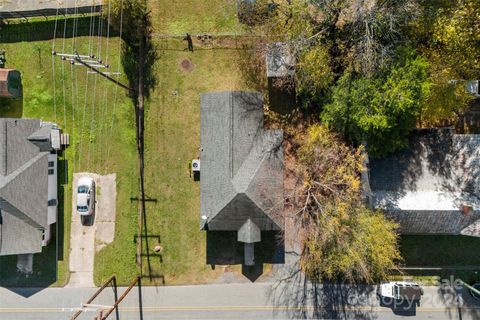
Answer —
172 141
193 16
440 250
99 119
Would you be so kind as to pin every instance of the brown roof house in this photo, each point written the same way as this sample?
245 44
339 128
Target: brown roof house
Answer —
28 187
241 185
10 83
431 187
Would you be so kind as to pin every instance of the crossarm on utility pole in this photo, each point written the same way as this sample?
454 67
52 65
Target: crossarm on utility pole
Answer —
77 59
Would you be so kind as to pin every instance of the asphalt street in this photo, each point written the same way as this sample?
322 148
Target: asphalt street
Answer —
236 301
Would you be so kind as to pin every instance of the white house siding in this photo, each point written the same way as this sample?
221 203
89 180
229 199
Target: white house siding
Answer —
52 195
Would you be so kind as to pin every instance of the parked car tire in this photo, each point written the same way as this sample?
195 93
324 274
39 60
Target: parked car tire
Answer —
386 301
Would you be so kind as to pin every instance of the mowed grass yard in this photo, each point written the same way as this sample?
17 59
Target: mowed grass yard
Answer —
179 16
172 140
100 121
98 117
453 253
440 250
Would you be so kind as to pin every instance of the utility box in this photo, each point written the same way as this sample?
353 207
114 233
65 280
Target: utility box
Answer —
196 169
195 165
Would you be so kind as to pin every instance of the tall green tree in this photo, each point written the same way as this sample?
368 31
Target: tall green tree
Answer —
381 110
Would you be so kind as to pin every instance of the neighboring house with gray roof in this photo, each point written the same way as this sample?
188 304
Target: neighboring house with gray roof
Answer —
241 184
433 186
28 185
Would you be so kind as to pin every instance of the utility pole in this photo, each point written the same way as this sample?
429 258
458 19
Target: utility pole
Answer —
140 111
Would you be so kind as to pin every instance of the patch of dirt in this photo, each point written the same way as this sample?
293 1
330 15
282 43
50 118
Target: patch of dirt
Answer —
186 65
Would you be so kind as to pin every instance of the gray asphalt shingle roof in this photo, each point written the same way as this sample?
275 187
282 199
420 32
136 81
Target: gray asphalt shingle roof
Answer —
242 163
23 185
424 186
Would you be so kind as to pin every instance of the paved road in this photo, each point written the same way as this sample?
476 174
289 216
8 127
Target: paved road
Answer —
235 301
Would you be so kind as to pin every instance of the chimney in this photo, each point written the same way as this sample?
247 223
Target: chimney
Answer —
466 209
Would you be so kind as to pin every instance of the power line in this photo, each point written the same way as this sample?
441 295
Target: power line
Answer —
104 126
53 66
63 72
74 75
91 146
118 70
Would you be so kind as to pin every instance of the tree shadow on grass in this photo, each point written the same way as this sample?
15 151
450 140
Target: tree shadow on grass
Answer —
41 30
11 108
138 58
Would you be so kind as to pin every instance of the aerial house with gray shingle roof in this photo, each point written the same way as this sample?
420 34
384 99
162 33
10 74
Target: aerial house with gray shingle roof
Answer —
28 187
431 187
241 184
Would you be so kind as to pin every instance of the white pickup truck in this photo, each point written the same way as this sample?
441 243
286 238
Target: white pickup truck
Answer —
400 290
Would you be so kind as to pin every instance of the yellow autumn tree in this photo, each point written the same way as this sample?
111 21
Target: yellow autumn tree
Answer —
454 57
457 33
342 239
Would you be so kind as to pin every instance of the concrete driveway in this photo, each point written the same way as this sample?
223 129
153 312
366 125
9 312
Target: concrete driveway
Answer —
85 240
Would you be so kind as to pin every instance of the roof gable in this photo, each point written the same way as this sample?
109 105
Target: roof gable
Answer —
237 211
242 163
24 192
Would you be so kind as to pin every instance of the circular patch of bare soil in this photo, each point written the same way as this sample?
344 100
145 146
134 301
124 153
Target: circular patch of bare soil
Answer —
186 65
